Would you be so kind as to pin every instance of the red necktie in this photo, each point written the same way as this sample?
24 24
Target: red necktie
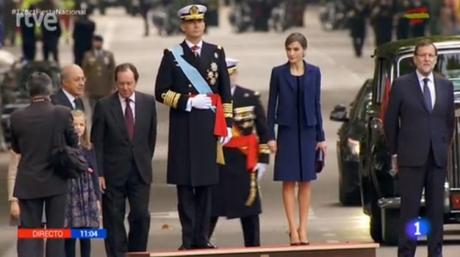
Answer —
196 50
129 119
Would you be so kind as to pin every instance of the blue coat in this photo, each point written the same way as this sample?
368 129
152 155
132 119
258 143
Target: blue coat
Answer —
294 104
280 107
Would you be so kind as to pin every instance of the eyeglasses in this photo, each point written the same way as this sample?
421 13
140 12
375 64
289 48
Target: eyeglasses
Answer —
431 56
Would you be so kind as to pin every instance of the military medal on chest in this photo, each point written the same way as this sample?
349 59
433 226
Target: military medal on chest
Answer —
212 74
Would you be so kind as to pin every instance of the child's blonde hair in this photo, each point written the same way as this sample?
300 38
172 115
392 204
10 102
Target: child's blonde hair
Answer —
84 139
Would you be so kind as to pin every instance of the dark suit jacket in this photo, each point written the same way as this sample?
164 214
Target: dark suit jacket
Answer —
115 152
411 129
280 108
33 130
59 98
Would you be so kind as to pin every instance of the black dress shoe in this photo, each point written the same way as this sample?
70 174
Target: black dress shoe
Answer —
183 248
208 245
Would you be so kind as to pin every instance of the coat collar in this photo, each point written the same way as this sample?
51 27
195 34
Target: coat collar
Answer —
308 70
198 63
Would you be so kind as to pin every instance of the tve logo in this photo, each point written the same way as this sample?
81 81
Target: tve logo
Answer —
47 18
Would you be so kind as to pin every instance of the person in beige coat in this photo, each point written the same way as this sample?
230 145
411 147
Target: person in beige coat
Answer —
12 170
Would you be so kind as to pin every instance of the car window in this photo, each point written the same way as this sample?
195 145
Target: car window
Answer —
361 102
356 105
384 71
448 64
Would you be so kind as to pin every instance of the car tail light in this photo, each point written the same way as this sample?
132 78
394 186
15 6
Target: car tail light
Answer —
455 200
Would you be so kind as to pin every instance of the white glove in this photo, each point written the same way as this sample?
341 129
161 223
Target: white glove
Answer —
201 101
261 169
224 140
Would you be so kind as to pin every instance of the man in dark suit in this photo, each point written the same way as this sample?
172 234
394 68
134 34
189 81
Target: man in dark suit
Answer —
193 81
124 134
246 156
37 183
72 88
418 126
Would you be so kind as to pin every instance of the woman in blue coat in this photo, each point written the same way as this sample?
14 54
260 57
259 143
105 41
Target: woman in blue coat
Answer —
294 104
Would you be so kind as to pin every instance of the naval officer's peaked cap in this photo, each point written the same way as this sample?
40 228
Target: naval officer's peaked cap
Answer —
192 12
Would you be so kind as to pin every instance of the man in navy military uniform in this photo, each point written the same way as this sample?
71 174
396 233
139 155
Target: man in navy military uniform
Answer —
193 81
246 156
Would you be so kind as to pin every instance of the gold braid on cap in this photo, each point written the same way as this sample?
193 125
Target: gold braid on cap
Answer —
194 14
231 70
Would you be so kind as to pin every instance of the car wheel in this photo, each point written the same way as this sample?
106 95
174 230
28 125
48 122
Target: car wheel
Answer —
348 198
349 192
390 226
375 226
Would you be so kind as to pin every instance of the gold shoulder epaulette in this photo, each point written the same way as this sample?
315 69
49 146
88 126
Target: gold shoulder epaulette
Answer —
263 149
256 93
228 110
219 47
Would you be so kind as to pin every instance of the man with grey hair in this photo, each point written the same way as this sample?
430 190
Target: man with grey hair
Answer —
33 130
72 88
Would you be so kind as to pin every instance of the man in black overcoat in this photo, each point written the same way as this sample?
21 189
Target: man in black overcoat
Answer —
200 117
38 185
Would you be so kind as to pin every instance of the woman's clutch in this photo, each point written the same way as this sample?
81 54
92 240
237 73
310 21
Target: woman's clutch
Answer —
319 160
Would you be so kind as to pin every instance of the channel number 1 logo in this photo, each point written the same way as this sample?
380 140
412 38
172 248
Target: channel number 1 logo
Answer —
417 228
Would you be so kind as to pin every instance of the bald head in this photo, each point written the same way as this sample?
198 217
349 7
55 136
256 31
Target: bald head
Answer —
73 80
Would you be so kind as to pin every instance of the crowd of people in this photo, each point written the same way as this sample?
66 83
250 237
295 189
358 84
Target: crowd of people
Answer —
220 138
217 128
395 20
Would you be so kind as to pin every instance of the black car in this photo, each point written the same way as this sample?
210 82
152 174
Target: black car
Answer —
14 90
378 182
350 135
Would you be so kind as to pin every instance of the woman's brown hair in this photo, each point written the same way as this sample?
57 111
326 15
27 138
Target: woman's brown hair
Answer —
84 139
296 37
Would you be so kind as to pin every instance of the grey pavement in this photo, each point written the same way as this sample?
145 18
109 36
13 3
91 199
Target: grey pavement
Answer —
342 75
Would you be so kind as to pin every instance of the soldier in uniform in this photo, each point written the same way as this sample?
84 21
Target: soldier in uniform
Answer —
98 66
246 156
83 32
193 81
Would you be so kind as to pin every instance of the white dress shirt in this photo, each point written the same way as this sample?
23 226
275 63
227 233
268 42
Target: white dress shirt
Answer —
70 97
190 45
132 104
430 78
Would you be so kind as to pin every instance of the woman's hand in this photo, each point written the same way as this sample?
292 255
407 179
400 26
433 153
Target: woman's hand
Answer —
323 146
272 146
14 209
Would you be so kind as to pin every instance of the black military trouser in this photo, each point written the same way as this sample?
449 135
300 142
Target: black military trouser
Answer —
194 206
250 226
